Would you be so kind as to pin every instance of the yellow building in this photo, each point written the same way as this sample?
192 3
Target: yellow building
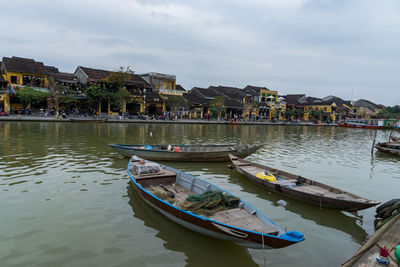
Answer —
24 72
272 109
264 102
4 89
21 72
330 108
268 96
319 112
164 84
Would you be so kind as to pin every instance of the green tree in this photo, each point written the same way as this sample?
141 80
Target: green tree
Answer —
390 113
115 83
218 105
316 114
58 96
119 98
289 113
117 80
68 101
95 95
29 96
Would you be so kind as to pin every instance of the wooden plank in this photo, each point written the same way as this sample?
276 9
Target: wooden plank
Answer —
242 219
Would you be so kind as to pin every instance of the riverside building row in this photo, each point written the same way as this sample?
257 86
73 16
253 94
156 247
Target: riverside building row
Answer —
157 94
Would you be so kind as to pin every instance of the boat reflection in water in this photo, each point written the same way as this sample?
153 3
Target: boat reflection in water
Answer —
178 238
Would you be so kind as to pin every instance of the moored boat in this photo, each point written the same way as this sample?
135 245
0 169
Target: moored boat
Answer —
300 188
389 147
396 127
198 153
366 124
167 190
385 241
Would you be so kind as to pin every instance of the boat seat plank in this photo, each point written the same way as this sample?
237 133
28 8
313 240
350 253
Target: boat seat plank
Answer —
285 182
163 174
244 164
242 219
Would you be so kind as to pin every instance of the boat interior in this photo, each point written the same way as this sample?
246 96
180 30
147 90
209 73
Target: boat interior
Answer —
394 145
296 182
180 185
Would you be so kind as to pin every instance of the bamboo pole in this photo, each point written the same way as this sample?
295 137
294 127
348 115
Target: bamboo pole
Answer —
373 144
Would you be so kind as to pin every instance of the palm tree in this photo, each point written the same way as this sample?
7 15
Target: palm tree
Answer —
218 105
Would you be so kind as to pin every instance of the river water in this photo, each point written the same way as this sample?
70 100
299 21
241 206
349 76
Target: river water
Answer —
65 198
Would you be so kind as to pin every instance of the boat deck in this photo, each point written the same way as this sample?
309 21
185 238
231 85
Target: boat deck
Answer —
242 219
305 188
237 217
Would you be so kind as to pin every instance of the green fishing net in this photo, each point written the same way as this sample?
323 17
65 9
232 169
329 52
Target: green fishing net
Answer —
209 202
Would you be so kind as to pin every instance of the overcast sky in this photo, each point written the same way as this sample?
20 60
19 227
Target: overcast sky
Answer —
345 48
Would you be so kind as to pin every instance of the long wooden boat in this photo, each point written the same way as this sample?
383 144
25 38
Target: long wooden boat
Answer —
395 139
366 124
389 147
243 224
387 236
202 153
300 188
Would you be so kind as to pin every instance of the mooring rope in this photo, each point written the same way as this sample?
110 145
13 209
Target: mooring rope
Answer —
264 256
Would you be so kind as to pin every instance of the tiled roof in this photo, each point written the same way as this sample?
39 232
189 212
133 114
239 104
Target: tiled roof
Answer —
337 100
294 99
138 80
194 99
64 77
365 103
51 69
96 75
205 93
230 92
179 87
24 65
232 103
254 90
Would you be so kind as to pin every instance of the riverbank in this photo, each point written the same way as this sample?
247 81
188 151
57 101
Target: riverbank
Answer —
179 121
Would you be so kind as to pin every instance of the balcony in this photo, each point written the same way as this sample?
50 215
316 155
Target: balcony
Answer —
163 91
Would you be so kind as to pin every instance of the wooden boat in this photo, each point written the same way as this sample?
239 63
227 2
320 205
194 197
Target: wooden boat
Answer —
242 224
366 124
396 127
300 188
387 236
185 152
389 147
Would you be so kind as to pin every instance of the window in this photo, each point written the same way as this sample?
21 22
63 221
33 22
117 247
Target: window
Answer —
26 80
14 79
